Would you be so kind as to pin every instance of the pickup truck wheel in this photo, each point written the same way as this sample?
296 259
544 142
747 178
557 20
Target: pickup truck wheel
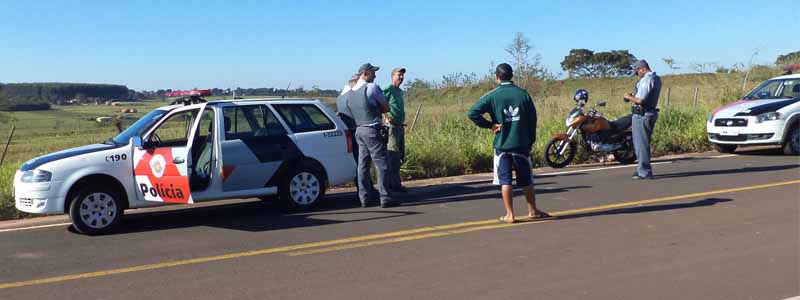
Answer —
96 210
303 187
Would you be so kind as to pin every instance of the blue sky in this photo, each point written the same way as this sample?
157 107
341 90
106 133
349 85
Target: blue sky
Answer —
182 45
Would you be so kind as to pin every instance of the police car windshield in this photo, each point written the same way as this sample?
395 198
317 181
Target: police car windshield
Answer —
767 90
137 128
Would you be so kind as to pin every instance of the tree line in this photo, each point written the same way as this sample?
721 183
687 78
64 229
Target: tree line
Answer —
53 92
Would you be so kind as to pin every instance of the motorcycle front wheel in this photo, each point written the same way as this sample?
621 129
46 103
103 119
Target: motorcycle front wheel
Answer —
553 156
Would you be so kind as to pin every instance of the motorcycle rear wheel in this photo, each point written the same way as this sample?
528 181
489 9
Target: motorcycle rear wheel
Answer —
552 155
626 155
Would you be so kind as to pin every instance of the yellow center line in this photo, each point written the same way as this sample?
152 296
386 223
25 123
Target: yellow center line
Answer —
558 213
379 239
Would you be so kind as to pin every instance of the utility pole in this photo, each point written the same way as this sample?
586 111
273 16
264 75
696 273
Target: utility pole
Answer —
749 68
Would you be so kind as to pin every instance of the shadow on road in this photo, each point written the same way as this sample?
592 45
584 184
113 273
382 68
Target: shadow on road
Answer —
728 171
650 208
486 192
760 151
256 216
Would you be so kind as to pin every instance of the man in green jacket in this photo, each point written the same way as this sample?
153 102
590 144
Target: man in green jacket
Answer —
513 121
395 119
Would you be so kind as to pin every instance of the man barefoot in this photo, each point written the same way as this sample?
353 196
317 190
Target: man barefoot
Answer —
513 120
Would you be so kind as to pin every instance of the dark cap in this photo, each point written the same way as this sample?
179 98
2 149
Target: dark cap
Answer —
639 64
399 70
367 66
504 71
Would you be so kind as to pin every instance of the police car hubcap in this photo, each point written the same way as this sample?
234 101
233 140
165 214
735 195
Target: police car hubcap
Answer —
98 210
304 188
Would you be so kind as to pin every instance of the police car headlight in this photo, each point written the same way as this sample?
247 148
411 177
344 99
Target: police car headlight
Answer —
770 116
32 176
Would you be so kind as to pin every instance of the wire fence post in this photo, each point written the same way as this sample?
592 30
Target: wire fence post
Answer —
8 141
696 90
668 93
415 119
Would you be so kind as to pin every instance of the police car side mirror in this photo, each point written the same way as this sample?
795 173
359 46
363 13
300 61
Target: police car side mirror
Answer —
136 142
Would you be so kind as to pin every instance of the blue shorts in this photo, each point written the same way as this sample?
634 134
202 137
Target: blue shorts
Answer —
506 162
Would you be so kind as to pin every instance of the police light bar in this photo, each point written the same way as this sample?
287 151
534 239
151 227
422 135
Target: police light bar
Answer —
195 92
792 67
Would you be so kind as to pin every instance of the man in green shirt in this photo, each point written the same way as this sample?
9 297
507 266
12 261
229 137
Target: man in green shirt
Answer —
513 121
395 119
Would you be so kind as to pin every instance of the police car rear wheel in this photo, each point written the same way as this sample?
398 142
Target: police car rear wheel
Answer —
304 186
96 210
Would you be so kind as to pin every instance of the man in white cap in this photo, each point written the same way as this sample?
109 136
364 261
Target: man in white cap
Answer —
645 114
347 117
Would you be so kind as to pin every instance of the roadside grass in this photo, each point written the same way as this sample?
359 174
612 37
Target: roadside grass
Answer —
444 142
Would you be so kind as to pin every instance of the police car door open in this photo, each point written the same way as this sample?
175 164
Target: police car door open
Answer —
162 164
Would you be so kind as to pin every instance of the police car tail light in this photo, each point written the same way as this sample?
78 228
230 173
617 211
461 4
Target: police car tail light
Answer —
349 141
31 176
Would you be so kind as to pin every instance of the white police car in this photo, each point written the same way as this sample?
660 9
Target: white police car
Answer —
768 115
190 153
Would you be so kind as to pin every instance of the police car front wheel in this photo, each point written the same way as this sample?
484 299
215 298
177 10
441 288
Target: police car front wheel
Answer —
304 186
725 148
96 210
792 144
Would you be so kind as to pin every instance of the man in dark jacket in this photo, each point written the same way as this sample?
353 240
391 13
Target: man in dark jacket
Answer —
513 120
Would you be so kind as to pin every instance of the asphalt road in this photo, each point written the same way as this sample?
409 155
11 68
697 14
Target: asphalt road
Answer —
707 227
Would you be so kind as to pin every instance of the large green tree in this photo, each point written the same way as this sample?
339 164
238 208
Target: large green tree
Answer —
587 63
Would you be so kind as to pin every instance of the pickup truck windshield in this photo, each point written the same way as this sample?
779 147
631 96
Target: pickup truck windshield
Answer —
138 128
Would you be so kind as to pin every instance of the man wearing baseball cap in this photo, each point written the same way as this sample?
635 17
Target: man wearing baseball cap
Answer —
645 113
395 119
366 104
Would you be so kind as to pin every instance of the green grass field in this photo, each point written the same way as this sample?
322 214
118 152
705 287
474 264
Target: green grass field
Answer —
443 142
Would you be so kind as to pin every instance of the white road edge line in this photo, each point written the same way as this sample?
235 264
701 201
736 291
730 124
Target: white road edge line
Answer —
34 227
554 173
